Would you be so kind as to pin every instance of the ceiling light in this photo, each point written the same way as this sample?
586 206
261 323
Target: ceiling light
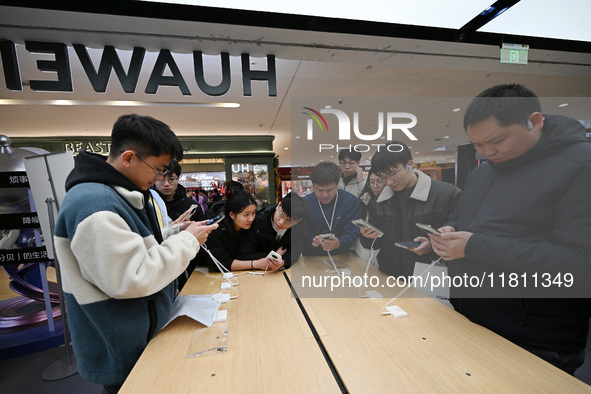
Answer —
456 109
286 148
563 105
447 136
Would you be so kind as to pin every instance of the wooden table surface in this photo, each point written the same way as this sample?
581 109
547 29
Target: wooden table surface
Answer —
434 349
270 348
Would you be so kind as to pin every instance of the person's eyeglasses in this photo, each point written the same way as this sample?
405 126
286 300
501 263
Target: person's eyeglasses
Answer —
377 182
390 176
170 180
158 174
282 216
348 163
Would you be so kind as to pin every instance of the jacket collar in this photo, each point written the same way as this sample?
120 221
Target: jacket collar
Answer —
133 197
421 191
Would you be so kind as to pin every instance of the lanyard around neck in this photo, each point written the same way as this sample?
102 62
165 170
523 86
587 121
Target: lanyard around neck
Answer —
334 208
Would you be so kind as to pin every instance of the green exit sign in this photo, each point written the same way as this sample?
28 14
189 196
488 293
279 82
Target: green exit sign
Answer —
514 53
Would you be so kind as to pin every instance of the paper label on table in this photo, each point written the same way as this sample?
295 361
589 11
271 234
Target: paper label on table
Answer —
201 308
440 293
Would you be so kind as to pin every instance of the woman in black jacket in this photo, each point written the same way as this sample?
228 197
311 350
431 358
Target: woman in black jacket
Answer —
223 242
272 230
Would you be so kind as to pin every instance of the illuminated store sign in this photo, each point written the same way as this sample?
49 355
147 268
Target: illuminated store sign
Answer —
110 61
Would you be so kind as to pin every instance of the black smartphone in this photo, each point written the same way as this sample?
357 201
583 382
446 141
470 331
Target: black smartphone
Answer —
217 219
407 244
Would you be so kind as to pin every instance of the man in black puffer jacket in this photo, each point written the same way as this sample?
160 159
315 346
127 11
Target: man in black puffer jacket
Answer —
522 227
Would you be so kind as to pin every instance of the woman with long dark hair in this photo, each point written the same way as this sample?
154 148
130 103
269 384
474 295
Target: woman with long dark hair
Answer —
223 242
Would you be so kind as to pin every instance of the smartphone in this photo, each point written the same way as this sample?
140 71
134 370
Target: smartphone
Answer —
363 224
193 209
428 228
407 244
217 219
326 237
273 255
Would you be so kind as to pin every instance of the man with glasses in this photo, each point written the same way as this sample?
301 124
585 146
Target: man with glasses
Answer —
175 195
410 197
272 230
352 177
118 267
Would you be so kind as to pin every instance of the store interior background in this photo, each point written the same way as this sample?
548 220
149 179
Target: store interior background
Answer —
314 58
331 59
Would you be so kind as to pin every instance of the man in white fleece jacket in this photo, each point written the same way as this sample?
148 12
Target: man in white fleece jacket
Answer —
118 267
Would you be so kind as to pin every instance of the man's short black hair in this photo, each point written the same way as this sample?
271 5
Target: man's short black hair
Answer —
508 104
393 154
325 173
146 136
294 206
174 168
350 154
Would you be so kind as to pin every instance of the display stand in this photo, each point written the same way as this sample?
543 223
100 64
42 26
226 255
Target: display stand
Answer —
47 175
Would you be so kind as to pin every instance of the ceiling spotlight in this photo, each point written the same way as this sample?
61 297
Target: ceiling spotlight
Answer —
286 148
456 109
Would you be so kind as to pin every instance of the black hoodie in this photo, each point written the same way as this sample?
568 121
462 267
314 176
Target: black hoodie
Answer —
530 216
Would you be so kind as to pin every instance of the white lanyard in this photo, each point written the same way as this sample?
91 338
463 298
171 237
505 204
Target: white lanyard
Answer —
334 208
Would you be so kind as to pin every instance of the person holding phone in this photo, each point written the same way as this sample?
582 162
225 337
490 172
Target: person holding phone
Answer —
224 242
118 266
273 230
410 197
330 215
368 196
525 212
175 195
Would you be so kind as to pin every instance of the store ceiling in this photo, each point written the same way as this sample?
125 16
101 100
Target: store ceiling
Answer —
310 64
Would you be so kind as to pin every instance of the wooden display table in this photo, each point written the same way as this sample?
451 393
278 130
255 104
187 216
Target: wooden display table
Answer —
434 349
270 347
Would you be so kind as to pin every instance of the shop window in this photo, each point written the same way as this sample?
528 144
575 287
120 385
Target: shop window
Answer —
255 178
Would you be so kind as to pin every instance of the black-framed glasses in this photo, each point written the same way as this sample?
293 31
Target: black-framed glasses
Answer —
390 176
158 174
282 216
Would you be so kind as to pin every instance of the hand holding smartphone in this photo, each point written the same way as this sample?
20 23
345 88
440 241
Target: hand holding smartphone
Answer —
363 224
428 228
326 237
274 256
407 244
217 219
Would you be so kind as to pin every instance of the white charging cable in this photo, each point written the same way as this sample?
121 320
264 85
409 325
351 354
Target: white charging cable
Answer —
225 272
408 287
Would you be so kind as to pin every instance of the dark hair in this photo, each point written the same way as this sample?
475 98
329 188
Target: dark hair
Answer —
394 153
232 185
174 168
325 173
508 104
349 153
146 135
237 201
294 206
